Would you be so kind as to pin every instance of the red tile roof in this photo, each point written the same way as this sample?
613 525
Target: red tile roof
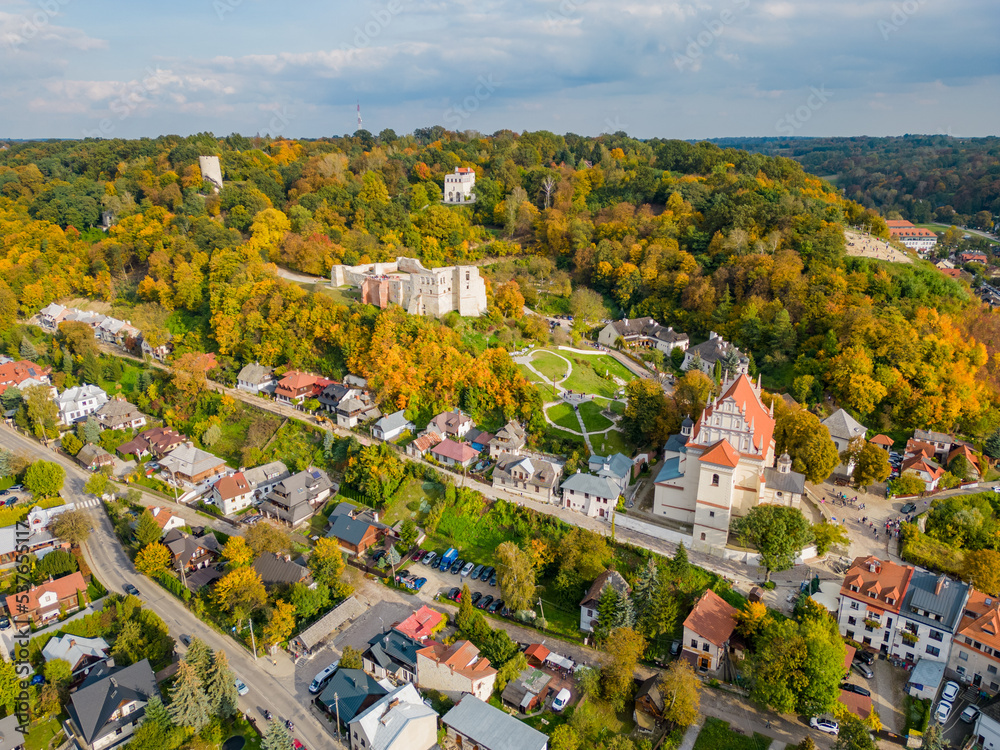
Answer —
421 623
232 486
455 451
295 381
713 618
536 651
886 580
743 392
63 588
882 440
981 620
462 656
859 705
722 454
15 373
162 516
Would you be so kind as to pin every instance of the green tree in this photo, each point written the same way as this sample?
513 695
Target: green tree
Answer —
854 735
327 562
622 650
515 576
778 533
660 616
646 584
27 350
350 658
308 601
934 737
276 737
199 657
10 685
211 436
681 693
90 369
908 483
871 463
982 569
510 669
564 737
73 526
42 412
44 478
97 485
58 671
650 417
220 687
375 471
188 705
799 433
827 535
991 447
71 443
679 565
91 430
408 534
156 712
146 529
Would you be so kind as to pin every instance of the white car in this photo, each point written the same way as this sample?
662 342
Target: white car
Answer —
825 725
950 692
241 687
560 701
969 714
468 569
943 712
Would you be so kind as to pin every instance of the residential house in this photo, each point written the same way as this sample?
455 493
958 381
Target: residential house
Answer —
52 315
296 499
158 352
397 721
644 332
707 632
942 443
257 378
857 704
44 603
930 614
509 439
392 654
166 520
265 477
535 654
927 469
94 457
23 374
110 703
915 238
591 600
353 411
39 541
975 652
422 624
349 693
526 692
648 710
78 651
295 387
458 186
10 734
987 728
527 476
423 444
192 465
617 468
964 451
354 535
392 426
191 552
478 439
843 429
232 493
452 424
451 453
593 496
717 468
870 600
155 442
716 349
275 569
972 257
89 317
119 414
925 679
882 441
76 403
332 394
473 723
455 669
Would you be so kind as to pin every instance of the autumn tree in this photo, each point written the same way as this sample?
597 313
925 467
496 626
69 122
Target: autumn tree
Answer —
982 569
680 690
327 563
509 300
71 443
97 485
692 391
266 537
564 737
854 735
237 552
147 530
188 379
376 470
73 526
622 650
280 623
587 305
827 535
871 463
152 559
750 619
351 658
908 483
798 433
777 532
240 592
515 576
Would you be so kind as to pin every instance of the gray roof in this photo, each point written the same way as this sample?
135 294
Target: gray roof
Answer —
90 453
256 374
266 473
927 673
274 569
671 470
843 425
713 350
393 421
791 482
492 728
104 690
184 546
334 393
346 610
355 692
932 437
118 409
347 529
542 473
618 465
392 648
588 483
948 605
73 648
9 736
676 444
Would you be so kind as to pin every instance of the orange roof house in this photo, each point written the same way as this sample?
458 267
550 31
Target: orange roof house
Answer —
295 386
882 441
45 602
455 669
877 583
535 654
421 624
713 618
859 705
966 452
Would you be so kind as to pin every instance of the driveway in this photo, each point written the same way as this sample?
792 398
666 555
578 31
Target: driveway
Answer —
888 687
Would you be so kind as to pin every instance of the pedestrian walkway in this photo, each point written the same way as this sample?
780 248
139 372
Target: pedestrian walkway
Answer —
691 735
89 502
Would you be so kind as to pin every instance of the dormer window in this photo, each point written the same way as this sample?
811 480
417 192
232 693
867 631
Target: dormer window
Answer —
890 602
855 588
872 595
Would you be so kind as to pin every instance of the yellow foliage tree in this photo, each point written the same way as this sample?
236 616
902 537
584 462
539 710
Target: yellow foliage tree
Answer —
152 559
237 552
280 625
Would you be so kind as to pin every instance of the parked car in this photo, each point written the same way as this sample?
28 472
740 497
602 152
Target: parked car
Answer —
429 558
561 699
241 687
675 648
16 488
943 712
825 725
865 657
185 639
417 556
495 606
445 563
323 677
493 579
404 573
485 601
476 596
419 584
950 692
4 622
4 492
477 571
457 567
467 569
37 680
850 687
863 669
487 573
455 594
378 555
907 509
969 714
130 589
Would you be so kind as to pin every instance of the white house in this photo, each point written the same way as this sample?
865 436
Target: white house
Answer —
843 429
257 378
592 599
458 186
392 426
455 669
76 403
231 494
593 496
707 631
643 332
397 721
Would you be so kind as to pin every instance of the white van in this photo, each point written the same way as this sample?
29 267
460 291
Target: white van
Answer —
320 681
560 701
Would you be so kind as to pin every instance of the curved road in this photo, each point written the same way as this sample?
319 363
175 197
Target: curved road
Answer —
271 686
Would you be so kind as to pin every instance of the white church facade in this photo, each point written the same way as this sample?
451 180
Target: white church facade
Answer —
723 465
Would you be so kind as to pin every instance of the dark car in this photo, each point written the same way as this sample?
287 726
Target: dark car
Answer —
378 555
908 508
485 602
4 622
476 596
476 572
495 606
865 657
852 688
404 573
130 589
487 572
493 579
4 492
457 566
455 594
185 639
506 611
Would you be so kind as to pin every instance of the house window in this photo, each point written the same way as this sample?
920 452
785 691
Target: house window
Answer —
937 636
992 669
854 605
704 646
711 514
933 651
694 643
703 536
963 655
852 620
715 480
850 634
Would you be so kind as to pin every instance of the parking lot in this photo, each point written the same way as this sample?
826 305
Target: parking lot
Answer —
441 582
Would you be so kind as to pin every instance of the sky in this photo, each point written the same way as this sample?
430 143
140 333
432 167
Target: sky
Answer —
670 69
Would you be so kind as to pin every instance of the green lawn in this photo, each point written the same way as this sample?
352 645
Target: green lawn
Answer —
589 375
41 733
554 433
127 383
593 420
412 498
610 442
618 407
549 365
564 416
529 374
716 735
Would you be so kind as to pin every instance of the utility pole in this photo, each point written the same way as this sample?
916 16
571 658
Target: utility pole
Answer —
541 607
336 702
252 639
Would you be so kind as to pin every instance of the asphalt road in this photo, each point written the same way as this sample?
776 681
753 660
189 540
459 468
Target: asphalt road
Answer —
271 687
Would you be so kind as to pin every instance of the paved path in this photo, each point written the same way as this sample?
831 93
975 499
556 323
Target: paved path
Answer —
301 278
691 734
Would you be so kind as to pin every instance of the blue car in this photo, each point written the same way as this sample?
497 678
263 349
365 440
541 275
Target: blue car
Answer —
37 680
419 584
